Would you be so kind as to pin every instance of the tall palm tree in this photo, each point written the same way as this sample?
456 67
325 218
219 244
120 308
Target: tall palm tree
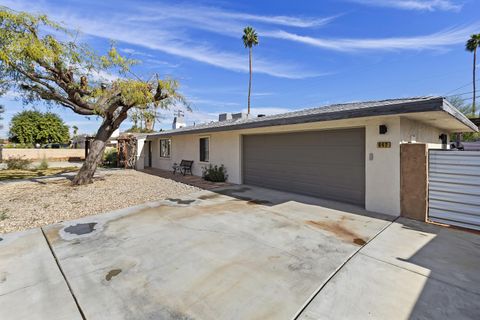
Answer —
472 44
250 39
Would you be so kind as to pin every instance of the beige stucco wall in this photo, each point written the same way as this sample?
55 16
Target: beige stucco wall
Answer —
382 166
39 154
421 132
139 164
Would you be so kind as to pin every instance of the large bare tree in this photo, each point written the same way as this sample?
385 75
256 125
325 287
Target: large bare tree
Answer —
41 60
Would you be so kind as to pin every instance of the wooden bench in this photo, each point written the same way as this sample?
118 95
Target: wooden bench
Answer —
184 167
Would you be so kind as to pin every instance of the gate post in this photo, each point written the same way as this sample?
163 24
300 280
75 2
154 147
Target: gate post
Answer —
414 181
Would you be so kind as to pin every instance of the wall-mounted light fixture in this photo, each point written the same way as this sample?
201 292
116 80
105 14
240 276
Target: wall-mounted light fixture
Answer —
382 129
444 139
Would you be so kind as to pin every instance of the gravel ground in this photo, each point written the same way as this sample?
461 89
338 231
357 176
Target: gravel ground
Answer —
26 205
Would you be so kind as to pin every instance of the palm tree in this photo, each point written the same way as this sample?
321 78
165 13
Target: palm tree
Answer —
472 44
250 39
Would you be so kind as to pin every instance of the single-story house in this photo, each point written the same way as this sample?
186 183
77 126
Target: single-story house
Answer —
345 152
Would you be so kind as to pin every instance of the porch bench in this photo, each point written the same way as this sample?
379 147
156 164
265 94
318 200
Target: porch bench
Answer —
184 167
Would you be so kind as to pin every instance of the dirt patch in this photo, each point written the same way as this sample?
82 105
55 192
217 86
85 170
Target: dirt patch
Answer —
52 234
209 196
338 230
359 241
112 273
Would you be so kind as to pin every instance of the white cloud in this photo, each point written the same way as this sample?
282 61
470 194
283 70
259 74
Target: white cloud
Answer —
209 15
99 76
163 41
432 41
11 95
134 52
422 5
262 94
164 30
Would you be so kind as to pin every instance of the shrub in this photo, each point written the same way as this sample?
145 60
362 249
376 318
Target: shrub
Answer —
110 157
3 215
215 173
17 163
43 165
18 146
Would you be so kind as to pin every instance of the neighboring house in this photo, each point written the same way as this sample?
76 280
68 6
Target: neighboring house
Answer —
345 152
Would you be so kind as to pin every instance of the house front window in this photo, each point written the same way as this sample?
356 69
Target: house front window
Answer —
165 146
204 149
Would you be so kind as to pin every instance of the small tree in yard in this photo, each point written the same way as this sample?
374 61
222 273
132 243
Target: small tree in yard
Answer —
31 127
42 67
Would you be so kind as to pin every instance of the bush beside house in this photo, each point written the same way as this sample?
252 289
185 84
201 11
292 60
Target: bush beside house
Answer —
215 173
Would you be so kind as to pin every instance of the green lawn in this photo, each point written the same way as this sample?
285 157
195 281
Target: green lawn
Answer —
27 174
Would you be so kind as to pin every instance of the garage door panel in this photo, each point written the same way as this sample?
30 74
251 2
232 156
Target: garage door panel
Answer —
331 157
328 164
337 193
351 175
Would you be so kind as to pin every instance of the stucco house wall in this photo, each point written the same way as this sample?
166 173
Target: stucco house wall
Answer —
382 165
421 132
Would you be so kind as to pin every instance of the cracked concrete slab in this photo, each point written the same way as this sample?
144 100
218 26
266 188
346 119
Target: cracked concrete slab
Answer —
31 285
220 256
449 255
409 271
241 253
367 288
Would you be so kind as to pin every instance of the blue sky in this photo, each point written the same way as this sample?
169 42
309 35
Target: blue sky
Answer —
311 53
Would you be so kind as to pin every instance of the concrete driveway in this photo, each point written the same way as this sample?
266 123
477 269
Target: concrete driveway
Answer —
239 253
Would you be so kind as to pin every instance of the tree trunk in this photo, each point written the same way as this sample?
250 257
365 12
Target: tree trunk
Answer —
474 85
250 81
95 153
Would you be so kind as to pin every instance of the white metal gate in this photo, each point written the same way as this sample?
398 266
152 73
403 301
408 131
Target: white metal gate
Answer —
454 188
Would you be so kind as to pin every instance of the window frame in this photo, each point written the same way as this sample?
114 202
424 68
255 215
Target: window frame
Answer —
207 158
169 148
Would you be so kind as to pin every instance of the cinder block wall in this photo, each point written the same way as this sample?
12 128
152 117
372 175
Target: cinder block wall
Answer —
39 154
414 181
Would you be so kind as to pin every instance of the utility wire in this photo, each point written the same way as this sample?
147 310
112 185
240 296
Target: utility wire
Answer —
471 98
466 85
459 94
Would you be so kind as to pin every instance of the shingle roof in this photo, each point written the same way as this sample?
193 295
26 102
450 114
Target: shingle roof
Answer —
331 112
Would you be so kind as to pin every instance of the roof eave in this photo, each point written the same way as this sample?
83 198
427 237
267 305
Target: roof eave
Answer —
454 112
434 104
